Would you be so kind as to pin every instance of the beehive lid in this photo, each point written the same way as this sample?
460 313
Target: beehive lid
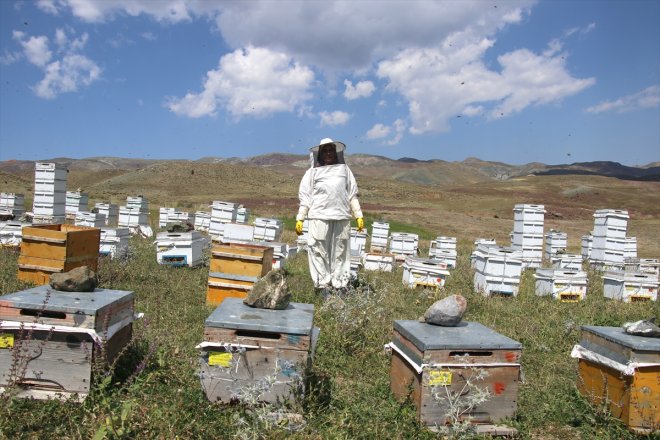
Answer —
232 313
467 335
87 303
619 336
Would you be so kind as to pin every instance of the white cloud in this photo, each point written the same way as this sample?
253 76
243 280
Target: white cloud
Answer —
48 6
442 82
67 73
333 119
172 11
399 129
148 36
8 57
647 98
363 89
35 49
378 131
253 81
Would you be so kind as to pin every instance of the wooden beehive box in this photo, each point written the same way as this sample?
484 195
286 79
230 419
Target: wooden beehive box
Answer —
245 345
227 285
624 375
428 358
49 340
234 268
47 249
241 259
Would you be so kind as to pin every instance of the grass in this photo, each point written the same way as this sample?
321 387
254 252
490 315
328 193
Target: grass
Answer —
154 392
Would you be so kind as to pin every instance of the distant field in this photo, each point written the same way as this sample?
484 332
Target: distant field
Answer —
469 206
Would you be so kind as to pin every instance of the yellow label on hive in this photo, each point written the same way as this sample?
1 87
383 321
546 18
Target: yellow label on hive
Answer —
439 378
220 359
6 340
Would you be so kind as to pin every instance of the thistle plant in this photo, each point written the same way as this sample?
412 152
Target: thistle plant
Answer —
460 401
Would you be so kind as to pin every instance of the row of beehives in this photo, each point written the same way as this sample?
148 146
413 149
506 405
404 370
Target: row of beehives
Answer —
61 335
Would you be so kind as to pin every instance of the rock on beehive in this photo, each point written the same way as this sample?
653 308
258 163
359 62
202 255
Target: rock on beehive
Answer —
446 312
80 279
270 292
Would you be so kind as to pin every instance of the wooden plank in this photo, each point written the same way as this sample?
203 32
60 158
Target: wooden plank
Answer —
216 294
241 259
501 383
222 383
57 362
263 339
405 382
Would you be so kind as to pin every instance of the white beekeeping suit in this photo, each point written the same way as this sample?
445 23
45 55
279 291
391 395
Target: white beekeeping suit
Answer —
328 195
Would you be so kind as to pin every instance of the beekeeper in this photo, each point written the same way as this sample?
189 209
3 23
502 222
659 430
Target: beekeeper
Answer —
328 195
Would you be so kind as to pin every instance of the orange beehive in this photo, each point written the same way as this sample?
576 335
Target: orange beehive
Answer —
234 268
621 371
48 249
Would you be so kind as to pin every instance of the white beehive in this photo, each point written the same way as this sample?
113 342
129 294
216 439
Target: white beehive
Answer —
180 248
649 265
114 242
49 172
224 212
132 217
138 202
238 232
358 241
378 262
630 247
381 229
630 286
403 243
268 229
47 207
111 212
380 232
163 215
491 285
446 256
76 201
498 261
45 219
442 242
528 214
561 284
613 218
202 221
422 272
242 215
93 219
11 233
567 261
12 204
555 243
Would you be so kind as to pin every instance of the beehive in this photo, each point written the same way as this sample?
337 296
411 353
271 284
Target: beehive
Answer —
47 249
630 286
622 372
422 272
180 248
58 336
244 345
564 285
428 358
234 268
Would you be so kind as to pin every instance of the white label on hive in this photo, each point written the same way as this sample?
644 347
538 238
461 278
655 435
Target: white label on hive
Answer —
439 378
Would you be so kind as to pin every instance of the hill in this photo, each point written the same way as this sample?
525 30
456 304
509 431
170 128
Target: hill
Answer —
469 199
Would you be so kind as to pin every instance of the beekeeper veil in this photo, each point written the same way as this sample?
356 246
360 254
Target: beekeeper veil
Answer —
316 159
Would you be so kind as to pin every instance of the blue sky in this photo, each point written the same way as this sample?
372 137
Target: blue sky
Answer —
515 81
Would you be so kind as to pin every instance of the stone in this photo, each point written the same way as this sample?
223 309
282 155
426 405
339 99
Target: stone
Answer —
446 312
270 292
80 279
644 327
179 227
